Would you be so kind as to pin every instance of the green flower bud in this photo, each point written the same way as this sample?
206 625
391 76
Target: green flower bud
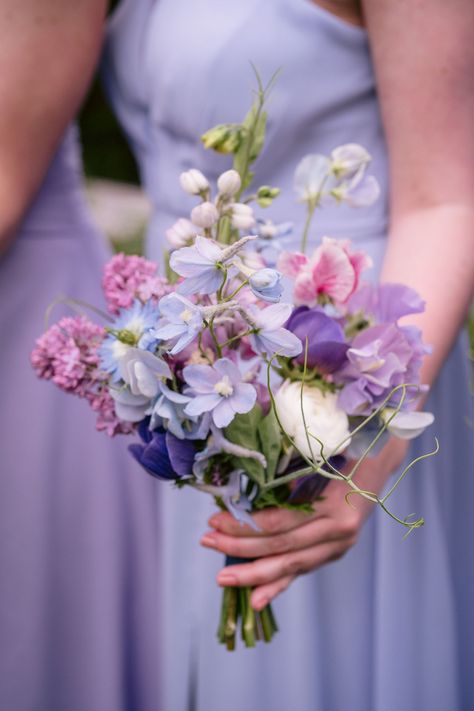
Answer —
225 138
266 195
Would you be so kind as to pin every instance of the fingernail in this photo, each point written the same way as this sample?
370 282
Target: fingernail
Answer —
208 540
226 579
259 603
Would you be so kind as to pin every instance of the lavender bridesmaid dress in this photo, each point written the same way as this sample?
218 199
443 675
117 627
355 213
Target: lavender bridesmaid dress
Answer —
77 518
390 626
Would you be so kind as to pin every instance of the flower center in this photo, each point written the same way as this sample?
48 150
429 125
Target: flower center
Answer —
224 387
186 315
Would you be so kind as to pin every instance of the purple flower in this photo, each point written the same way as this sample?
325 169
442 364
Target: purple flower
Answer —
325 337
181 319
386 303
218 389
266 284
269 336
162 454
168 411
380 358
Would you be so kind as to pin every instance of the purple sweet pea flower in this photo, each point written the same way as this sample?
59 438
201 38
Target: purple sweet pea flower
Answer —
325 337
386 303
218 389
162 454
181 319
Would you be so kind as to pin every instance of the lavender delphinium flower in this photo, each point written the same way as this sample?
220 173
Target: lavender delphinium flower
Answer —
180 319
219 389
162 454
268 335
326 344
266 285
203 264
169 411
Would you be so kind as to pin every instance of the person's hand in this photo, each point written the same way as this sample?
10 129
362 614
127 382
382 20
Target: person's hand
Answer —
291 543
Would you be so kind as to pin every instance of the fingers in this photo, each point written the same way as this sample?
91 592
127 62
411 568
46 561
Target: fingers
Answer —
266 593
271 569
268 521
316 531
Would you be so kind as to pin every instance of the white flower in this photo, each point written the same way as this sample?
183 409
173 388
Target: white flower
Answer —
348 159
311 175
193 182
324 420
181 233
143 372
241 216
407 425
229 183
205 215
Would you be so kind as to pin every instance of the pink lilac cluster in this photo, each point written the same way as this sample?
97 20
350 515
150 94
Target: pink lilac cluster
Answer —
67 354
127 277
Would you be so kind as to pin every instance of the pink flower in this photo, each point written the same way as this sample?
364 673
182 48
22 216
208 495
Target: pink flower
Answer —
127 277
333 272
67 355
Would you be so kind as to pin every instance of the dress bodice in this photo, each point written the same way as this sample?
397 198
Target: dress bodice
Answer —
174 69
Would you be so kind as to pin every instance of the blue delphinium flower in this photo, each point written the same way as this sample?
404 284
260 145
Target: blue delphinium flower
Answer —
181 320
269 337
219 389
162 454
266 284
133 324
169 411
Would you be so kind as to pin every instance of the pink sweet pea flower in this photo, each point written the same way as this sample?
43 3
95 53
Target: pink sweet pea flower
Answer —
333 271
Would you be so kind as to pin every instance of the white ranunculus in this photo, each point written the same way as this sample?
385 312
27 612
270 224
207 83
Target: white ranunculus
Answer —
324 419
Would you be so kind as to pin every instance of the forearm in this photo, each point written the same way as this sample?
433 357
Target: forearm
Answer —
432 250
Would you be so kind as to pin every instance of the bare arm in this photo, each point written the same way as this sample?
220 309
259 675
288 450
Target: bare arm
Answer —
424 59
48 50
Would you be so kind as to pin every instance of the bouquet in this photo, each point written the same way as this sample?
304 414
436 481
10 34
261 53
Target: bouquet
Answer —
255 399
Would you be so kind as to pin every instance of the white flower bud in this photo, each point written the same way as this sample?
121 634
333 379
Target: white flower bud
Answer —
241 216
205 215
193 182
181 233
229 183
324 419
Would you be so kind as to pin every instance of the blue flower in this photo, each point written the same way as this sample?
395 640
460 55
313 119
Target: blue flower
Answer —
135 322
169 411
272 239
269 336
266 284
181 319
218 389
162 454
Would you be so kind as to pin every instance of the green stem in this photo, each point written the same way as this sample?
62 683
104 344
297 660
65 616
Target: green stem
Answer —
307 224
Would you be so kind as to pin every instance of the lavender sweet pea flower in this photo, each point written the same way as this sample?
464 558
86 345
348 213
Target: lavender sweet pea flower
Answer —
162 454
381 358
386 303
143 372
266 285
181 319
327 348
269 336
218 389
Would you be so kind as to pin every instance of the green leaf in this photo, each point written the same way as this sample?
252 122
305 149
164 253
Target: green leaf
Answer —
270 442
243 430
